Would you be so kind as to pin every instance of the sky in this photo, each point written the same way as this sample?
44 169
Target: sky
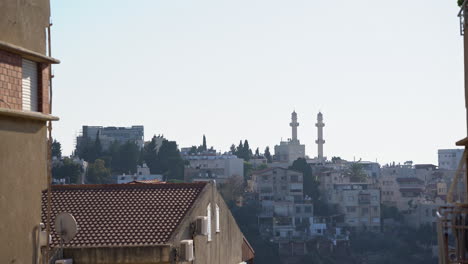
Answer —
387 75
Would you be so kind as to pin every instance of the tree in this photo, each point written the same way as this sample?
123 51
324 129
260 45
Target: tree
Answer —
356 173
336 159
204 143
67 170
232 188
257 153
268 155
233 149
169 161
56 149
150 155
98 173
126 158
311 183
246 152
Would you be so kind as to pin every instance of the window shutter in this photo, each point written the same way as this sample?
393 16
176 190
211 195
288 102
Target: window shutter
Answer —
217 220
208 213
30 86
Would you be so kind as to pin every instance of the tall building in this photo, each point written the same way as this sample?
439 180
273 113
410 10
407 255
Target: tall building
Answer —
107 135
25 112
320 140
449 158
291 150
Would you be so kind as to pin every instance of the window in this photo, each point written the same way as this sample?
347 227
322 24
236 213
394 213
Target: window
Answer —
30 86
308 209
350 209
208 214
298 209
218 229
294 178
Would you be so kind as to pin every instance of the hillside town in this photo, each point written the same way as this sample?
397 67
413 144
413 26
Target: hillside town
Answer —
300 202
129 195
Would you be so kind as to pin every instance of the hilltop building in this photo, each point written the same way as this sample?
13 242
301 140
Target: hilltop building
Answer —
449 158
149 223
212 166
291 150
108 135
25 112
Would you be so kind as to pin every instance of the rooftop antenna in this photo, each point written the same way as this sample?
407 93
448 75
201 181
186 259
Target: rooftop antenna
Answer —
66 227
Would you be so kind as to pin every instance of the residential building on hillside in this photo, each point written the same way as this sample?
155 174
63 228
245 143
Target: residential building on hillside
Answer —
149 223
424 213
372 169
214 166
285 215
360 204
25 112
291 150
108 135
449 158
411 190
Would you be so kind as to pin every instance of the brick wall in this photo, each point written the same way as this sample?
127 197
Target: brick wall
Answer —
10 81
44 105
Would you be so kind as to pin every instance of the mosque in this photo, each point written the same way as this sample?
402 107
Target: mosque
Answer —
292 149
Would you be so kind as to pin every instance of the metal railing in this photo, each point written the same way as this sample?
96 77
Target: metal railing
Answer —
462 16
452 234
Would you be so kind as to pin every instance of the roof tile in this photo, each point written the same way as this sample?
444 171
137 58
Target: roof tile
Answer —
122 214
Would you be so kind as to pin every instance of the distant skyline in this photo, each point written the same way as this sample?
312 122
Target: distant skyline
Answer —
388 76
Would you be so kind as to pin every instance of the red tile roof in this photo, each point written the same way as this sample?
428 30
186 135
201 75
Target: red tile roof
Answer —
119 215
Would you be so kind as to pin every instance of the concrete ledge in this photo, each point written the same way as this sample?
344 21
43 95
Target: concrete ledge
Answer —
27 115
28 54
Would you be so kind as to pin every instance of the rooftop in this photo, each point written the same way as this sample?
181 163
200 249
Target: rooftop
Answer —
122 215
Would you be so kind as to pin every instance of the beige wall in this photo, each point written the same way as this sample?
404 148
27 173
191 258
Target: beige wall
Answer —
226 246
133 255
23 23
23 175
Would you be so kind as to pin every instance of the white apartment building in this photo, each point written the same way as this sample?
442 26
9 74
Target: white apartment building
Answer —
213 166
449 158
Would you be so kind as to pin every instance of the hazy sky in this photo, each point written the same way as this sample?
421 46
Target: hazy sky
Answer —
387 75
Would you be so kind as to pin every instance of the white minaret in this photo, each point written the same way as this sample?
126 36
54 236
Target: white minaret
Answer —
294 124
320 140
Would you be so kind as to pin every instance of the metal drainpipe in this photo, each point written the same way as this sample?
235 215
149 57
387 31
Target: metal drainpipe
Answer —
49 154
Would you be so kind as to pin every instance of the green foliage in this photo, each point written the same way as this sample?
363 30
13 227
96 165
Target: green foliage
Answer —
242 151
204 143
391 212
336 159
150 155
169 161
405 245
265 251
268 155
124 157
67 170
311 183
356 173
460 2
98 173
56 149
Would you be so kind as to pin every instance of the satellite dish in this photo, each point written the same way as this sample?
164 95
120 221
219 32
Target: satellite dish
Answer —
66 227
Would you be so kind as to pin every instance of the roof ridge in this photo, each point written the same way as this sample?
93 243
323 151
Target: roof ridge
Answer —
137 185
